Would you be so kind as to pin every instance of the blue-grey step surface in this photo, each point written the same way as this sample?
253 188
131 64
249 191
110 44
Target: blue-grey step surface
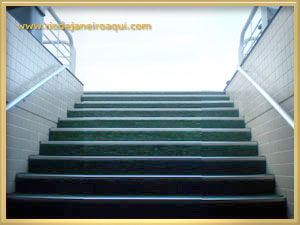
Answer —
34 183
150 134
152 122
154 104
149 97
145 207
147 165
155 112
149 148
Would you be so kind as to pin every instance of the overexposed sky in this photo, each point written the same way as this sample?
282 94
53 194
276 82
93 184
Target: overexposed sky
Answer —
188 48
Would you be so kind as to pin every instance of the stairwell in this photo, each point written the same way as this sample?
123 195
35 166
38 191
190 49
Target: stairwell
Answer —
148 155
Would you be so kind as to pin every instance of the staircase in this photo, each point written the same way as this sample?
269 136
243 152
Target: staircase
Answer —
148 155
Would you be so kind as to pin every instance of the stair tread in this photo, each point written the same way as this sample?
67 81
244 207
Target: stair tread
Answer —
155 129
137 176
76 164
154 92
152 95
169 158
145 207
212 199
151 118
154 112
155 109
221 143
151 102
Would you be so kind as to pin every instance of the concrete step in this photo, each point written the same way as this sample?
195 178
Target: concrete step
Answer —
153 104
147 165
155 112
149 97
154 93
149 148
144 207
152 122
149 134
35 183
148 155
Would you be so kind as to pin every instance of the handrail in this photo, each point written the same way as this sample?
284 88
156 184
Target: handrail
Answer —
70 44
273 103
59 41
245 28
58 49
242 36
266 15
32 89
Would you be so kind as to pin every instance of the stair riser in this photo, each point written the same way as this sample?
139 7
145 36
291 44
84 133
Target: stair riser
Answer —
148 136
152 123
143 209
155 98
144 186
151 150
225 167
153 105
166 113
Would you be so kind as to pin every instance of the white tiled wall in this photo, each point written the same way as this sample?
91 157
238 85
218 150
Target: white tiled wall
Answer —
271 65
28 123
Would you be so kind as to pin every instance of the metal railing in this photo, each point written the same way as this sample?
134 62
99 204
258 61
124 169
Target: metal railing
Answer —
32 89
258 20
64 50
273 103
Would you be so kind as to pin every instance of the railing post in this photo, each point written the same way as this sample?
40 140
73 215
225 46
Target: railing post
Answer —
72 51
242 37
73 60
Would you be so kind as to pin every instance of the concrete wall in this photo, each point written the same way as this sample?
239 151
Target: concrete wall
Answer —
271 65
28 123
